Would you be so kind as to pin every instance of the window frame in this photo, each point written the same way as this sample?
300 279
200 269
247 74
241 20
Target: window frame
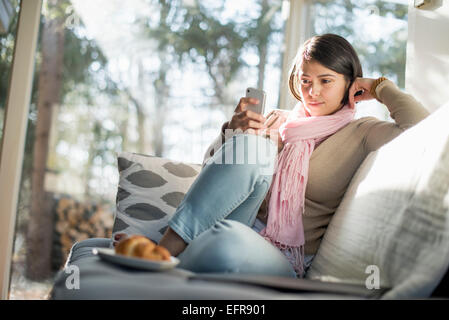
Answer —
14 130
297 30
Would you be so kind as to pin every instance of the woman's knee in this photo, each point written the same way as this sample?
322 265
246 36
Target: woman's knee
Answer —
232 247
218 246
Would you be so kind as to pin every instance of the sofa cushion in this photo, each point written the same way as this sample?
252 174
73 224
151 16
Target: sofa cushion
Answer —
393 221
99 280
149 191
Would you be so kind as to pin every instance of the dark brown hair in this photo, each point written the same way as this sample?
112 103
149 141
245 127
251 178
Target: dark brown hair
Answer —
333 52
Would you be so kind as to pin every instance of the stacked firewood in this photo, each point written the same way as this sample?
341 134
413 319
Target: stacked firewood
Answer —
74 222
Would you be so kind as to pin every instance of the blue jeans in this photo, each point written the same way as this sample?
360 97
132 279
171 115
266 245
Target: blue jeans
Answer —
217 213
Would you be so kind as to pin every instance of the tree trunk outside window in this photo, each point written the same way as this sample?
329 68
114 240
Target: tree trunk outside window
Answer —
40 225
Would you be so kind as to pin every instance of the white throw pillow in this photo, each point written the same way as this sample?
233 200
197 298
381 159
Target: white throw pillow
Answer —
149 191
394 218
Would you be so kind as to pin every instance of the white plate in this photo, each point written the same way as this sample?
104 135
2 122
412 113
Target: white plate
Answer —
109 255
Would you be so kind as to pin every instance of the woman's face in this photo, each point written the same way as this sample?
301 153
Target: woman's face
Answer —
322 89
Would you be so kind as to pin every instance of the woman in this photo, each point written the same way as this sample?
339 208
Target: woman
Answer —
240 218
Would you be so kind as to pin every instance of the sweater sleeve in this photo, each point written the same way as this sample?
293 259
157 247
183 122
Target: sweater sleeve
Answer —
405 110
216 144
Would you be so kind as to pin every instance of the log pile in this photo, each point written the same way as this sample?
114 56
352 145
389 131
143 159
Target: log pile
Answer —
74 222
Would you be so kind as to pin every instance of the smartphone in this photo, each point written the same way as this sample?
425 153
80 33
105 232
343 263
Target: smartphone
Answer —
261 96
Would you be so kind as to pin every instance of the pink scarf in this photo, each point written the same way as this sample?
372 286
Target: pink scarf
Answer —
300 134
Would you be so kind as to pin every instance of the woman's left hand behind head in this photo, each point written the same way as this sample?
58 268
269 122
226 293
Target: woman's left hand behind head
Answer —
360 84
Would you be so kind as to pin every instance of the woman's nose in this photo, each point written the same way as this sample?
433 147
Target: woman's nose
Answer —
314 90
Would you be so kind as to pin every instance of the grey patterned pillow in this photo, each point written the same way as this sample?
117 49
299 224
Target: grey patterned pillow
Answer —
149 191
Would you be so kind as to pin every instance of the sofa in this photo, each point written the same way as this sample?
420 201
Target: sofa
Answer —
389 238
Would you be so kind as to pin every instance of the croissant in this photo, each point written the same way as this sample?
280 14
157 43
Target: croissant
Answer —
142 247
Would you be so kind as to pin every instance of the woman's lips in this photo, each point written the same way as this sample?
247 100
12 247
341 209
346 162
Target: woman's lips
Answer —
315 104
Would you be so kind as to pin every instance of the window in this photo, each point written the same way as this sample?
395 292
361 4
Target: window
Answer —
8 25
148 76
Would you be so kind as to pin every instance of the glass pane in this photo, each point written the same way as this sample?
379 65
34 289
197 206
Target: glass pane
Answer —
8 28
378 31
150 77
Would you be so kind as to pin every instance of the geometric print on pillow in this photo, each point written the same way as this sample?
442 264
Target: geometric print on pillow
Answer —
149 191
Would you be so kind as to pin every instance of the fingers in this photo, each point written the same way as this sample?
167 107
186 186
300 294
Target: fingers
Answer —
244 102
366 95
363 84
269 114
358 92
245 119
118 236
255 124
254 116
271 120
243 122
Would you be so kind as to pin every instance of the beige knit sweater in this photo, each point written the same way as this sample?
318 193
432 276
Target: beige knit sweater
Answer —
334 162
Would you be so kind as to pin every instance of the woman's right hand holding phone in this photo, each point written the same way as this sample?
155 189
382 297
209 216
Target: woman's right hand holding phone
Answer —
246 120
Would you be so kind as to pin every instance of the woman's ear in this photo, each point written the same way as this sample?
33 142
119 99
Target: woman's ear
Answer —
349 83
346 97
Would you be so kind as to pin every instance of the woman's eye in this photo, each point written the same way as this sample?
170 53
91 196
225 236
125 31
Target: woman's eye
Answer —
304 81
326 81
